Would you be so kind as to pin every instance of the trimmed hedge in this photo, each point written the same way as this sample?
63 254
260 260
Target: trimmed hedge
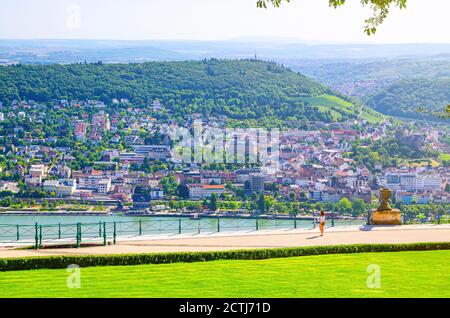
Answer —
54 262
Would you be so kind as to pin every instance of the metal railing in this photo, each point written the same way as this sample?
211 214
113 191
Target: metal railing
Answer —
110 232
429 218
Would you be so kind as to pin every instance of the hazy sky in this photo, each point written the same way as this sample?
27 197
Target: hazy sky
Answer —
311 20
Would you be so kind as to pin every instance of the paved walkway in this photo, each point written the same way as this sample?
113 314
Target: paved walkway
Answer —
252 240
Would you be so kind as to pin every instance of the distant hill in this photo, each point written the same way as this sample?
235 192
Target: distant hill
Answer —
70 51
413 98
397 87
239 89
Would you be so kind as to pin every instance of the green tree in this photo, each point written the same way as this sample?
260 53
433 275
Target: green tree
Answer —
261 203
295 208
213 202
358 206
292 196
269 202
344 205
169 184
183 191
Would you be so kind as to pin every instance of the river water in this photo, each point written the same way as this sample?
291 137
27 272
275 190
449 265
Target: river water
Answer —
60 226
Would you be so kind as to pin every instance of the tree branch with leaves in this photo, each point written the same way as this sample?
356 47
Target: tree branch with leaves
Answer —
380 9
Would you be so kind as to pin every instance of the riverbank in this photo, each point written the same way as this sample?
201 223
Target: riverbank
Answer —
229 214
54 213
32 212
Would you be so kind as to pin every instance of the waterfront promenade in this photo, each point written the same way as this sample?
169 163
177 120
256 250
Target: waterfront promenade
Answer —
251 240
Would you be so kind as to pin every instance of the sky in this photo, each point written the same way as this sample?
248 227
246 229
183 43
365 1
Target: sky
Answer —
423 21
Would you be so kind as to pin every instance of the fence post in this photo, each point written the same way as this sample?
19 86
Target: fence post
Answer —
179 225
295 221
140 227
332 219
99 228
18 232
404 217
439 218
40 235
257 223
218 224
36 236
104 233
314 222
78 236
114 234
59 230
198 226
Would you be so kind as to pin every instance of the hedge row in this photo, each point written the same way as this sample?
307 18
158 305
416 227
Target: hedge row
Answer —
53 262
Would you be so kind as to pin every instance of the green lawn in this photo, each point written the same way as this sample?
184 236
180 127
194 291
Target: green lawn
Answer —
403 274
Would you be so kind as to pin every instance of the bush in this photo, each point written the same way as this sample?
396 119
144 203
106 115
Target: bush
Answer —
53 262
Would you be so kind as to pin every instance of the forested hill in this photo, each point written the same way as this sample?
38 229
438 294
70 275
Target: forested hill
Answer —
239 89
396 87
408 97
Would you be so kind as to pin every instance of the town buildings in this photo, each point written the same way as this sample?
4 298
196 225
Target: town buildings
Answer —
200 191
134 148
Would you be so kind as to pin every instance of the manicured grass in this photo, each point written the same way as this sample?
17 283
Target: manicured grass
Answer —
403 274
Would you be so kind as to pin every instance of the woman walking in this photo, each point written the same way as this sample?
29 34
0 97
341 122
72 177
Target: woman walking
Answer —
322 222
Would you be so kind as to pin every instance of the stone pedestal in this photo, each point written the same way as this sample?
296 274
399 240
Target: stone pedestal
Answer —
386 217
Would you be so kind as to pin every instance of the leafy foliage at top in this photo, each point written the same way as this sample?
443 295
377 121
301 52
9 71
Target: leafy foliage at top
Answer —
380 9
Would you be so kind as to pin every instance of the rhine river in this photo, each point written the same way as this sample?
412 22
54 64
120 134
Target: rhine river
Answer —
20 227
169 222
